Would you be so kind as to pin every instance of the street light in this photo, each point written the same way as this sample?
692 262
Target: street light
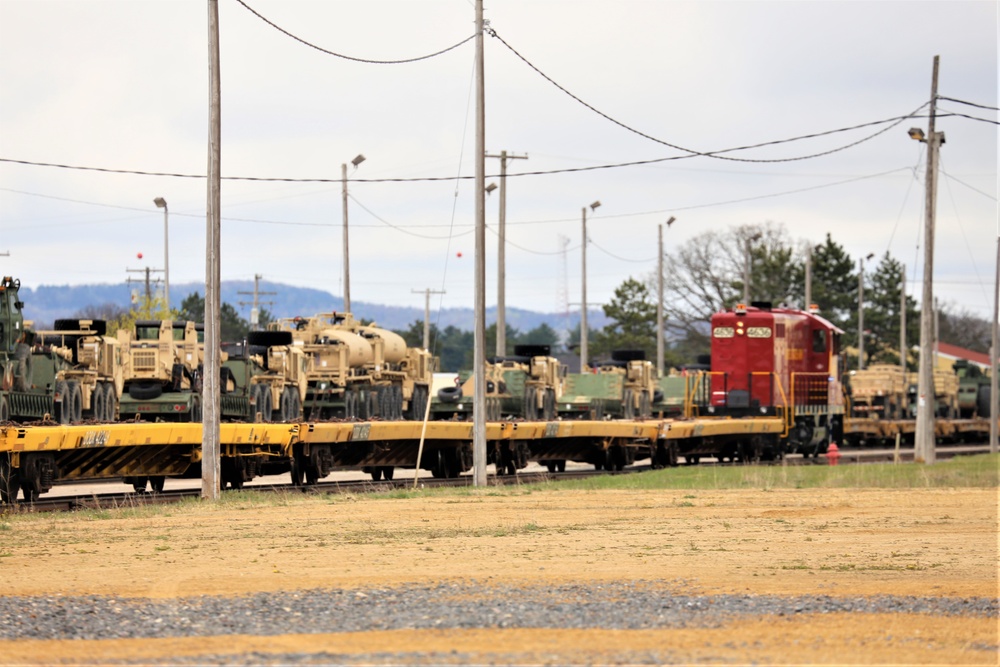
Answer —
659 300
583 299
861 310
490 188
347 266
162 203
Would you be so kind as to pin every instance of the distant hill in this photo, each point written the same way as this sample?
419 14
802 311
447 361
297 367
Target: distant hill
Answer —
46 303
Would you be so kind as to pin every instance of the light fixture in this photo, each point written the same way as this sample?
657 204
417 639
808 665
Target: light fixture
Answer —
358 160
595 205
916 133
870 255
490 188
160 202
671 221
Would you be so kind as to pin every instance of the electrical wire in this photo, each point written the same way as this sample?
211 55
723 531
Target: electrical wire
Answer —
971 104
974 189
399 228
622 259
346 57
718 154
961 228
962 115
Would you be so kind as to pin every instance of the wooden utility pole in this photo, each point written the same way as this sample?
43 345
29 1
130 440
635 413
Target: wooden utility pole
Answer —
807 306
583 296
427 312
924 443
501 253
902 322
479 334
994 351
659 299
256 303
210 448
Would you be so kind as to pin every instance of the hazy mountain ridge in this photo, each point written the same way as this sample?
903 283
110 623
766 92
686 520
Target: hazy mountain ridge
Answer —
46 303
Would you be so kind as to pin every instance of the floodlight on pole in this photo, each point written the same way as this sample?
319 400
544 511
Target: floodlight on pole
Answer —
490 188
347 262
162 203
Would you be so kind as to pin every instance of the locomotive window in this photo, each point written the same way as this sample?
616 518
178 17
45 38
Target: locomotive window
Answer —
758 332
819 340
723 332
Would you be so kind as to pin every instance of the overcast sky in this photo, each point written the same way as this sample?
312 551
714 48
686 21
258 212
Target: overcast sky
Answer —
123 85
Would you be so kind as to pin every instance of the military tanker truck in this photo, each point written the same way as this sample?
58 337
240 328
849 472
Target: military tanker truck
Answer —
359 371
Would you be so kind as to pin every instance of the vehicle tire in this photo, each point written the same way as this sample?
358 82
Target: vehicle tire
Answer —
269 338
142 391
450 394
628 410
530 404
63 407
97 400
110 402
645 406
550 405
195 414
266 403
286 405
23 373
76 402
296 405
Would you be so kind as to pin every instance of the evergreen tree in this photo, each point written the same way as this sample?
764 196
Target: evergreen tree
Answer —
633 326
882 313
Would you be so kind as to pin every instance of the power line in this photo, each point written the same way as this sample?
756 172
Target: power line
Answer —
962 115
718 154
346 57
971 104
974 189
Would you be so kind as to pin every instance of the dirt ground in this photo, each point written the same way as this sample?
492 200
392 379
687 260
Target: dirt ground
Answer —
925 542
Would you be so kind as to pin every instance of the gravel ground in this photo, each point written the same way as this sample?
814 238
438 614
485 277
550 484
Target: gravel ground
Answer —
626 606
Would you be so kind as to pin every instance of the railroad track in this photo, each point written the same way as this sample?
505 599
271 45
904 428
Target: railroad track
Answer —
117 500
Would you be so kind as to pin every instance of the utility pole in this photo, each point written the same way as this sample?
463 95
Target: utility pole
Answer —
994 351
501 253
479 334
583 299
347 255
861 311
807 306
902 322
924 443
747 266
147 281
427 312
211 396
256 303
659 300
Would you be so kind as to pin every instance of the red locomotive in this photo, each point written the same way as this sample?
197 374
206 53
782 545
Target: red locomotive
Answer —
779 361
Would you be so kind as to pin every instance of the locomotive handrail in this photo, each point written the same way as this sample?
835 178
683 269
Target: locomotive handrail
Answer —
786 415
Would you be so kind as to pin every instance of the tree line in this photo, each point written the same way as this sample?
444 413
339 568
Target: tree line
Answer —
701 277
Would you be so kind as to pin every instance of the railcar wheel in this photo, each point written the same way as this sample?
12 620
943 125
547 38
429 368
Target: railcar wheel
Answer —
28 491
388 472
376 473
561 465
551 466
156 483
139 484
296 468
